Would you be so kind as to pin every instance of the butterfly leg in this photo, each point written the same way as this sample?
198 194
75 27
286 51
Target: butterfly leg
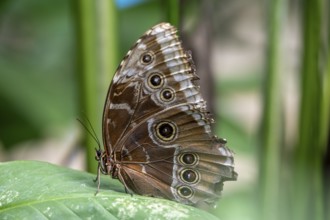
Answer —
97 175
98 179
127 191
124 183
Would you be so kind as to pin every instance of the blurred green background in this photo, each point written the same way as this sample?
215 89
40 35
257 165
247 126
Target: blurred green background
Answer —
264 69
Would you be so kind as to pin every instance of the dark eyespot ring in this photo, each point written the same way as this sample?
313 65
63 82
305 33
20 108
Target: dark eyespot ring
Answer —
190 159
147 58
189 176
155 80
166 131
167 95
185 191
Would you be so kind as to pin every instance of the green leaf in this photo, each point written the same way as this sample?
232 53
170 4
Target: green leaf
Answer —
39 190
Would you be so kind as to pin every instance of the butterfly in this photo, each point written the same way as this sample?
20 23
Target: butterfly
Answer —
156 131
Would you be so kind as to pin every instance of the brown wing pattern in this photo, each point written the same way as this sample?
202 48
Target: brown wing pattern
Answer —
156 129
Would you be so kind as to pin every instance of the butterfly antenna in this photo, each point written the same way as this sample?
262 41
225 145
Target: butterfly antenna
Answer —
90 130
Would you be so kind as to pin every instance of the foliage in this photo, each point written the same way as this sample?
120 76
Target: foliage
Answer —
47 191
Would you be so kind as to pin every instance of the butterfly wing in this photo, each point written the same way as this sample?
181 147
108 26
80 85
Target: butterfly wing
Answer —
189 168
155 126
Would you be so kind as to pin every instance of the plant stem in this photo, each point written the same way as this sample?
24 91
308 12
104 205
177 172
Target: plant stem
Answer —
98 56
271 125
172 11
308 189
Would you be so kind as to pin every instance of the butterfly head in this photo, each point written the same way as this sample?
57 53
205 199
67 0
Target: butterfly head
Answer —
105 163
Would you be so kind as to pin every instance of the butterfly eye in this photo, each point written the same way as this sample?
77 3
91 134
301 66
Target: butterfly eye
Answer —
185 192
223 140
155 80
167 95
189 176
166 131
147 58
188 159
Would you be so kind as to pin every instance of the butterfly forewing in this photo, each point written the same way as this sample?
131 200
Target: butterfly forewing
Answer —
156 132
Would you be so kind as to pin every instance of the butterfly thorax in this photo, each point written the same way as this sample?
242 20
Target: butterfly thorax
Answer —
106 164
